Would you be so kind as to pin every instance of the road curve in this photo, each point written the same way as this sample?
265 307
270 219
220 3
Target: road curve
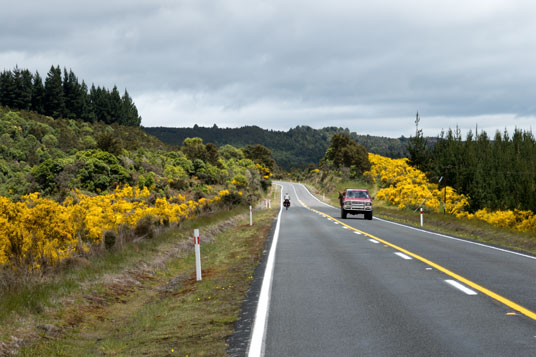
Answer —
355 287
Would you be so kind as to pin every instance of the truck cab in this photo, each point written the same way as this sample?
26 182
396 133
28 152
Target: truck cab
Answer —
355 201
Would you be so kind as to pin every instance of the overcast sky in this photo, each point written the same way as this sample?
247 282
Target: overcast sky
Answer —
365 65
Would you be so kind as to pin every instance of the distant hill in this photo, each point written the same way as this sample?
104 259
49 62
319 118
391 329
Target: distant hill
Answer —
296 148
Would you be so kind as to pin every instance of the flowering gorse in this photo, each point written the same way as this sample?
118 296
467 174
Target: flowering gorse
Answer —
405 186
38 230
523 221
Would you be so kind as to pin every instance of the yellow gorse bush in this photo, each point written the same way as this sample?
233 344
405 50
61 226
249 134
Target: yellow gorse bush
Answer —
523 221
405 186
264 171
38 231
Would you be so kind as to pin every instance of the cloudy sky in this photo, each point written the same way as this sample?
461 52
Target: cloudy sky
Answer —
365 65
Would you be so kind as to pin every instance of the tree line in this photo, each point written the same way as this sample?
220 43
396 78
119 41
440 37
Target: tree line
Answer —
496 173
63 96
297 148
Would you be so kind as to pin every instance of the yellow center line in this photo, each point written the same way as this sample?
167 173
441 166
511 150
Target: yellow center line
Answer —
458 277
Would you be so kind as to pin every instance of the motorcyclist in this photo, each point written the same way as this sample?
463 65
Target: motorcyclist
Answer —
286 200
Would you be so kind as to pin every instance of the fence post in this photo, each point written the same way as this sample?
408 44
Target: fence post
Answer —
197 254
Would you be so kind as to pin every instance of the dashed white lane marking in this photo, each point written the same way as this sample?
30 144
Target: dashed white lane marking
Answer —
329 219
403 256
374 241
428 268
358 233
336 222
461 287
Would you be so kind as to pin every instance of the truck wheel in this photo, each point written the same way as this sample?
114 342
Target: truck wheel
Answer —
343 213
368 215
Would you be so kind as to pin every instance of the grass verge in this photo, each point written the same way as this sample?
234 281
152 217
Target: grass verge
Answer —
145 300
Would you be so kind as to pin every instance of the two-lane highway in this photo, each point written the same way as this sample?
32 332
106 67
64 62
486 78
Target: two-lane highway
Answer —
356 287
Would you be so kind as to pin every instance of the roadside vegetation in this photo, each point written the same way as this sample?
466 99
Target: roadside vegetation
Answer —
65 190
143 299
497 173
400 190
90 216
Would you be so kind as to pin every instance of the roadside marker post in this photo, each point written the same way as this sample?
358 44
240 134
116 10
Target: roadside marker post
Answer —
250 216
197 254
421 216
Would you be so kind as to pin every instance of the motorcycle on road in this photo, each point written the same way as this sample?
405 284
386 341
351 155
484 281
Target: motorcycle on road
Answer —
286 203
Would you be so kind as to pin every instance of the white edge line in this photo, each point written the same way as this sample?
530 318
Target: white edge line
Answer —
256 346
325 204
434 233
458 239
403 256
461 287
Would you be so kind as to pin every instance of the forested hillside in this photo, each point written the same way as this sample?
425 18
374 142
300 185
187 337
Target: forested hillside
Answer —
66 97
496 173
296 148
64 183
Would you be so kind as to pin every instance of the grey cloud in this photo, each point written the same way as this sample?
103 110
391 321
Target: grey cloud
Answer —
323 63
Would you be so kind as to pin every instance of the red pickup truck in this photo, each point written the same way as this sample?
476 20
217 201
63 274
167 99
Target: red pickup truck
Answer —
355 201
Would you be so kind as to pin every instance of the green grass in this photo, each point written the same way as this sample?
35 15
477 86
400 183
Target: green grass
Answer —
165 313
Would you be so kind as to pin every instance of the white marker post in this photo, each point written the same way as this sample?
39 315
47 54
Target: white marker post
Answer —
250 216
421 216
197 254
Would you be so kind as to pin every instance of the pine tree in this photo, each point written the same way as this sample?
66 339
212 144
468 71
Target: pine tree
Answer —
418 153
130 112
22 89
54 99
38 94
72 94
87 109
116 106
101 104
7 88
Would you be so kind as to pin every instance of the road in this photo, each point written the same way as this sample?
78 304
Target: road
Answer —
355 287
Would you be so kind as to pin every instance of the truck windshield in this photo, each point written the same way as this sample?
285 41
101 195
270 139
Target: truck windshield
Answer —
357 194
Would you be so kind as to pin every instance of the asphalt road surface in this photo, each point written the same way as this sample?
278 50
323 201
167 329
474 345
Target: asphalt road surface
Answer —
356 287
